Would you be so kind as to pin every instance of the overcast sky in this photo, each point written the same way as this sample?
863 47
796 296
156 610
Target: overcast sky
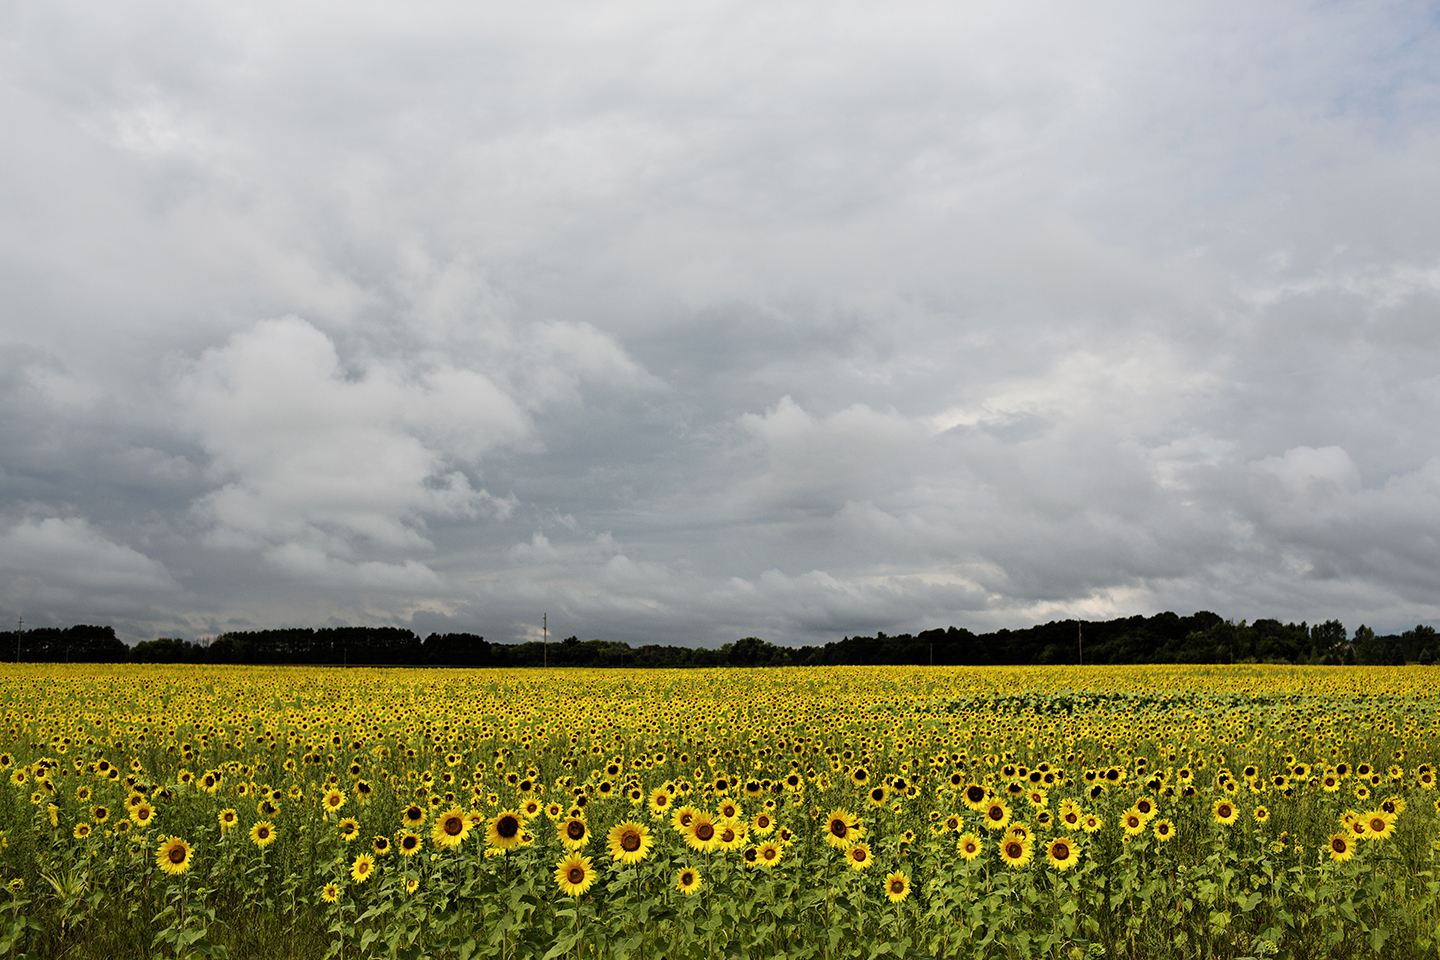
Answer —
687 322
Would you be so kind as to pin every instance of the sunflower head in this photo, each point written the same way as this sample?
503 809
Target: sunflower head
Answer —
450 829
173 856
502 832
574 875
629 842
362 867
687 881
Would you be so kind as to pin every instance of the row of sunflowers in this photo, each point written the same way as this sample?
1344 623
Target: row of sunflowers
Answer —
1228 812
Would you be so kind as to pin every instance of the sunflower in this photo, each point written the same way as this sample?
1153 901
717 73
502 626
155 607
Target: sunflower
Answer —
681 816
1379 825
330 892
688 880
262 834
769 853
859 856
100 814
574 875
228 819
1016 852
413 816
411 885
1224 812
1062 854
333 800
659 802
729 811
996 815
974 796
380 845
1261 814
142 814
173 855
897 887
730 836
969 846
361 869
82 830
763 823
1133 822
530 809
1164 830
702 834
629 842
1340 847
451 828
408 842
502 831
842 828
574 833
348 829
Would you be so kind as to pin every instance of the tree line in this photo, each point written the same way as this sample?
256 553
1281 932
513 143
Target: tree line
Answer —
1202 637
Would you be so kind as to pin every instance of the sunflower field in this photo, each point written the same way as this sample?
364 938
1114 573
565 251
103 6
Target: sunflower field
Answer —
846 812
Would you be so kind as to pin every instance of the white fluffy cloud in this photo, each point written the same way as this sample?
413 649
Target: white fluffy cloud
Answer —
64 563
311 455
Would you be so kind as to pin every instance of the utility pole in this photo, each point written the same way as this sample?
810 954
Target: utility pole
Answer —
545 640
18 627
1080 639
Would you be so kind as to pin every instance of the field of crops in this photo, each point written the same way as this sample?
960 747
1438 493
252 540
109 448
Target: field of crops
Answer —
1230 812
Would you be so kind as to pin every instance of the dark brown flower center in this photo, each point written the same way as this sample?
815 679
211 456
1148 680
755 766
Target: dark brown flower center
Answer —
507 826
630 842
177 854
453 826
839 828
704 831
575 830
897 886
576 874
1060 851
1014 850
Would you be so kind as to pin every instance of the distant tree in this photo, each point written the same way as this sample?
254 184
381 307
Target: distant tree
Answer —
1367 647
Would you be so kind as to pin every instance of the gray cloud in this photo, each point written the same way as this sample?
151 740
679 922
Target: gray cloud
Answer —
795 320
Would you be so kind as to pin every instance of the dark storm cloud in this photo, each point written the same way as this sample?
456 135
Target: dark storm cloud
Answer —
793 320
